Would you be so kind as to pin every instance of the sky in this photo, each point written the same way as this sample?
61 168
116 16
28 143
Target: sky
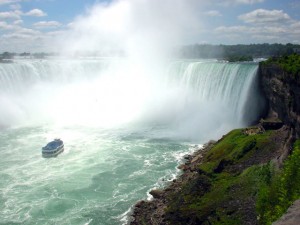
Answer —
50 25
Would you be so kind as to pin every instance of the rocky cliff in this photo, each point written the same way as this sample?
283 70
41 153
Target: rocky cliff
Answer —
282 90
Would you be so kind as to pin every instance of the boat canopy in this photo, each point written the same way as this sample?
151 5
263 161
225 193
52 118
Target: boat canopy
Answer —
53 144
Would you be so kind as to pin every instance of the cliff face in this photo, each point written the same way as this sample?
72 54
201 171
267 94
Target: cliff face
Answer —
282 91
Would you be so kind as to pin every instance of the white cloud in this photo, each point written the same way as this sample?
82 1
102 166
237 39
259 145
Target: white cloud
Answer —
15 6
266 37
248 1
237 2
265 25
213 13
3 2
17 40
246 30
296 25
19 37
10 14
149 24
36 12
17 22
28 40
16 14
27 31
261 32
5 26
264 16
56 33
14 36
235 29
70 25
47 24
295 29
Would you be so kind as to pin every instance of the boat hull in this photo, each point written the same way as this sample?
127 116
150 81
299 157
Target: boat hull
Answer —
52 152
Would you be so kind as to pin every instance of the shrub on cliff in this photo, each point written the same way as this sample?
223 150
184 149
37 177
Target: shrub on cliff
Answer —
237 58
281 189
289 63
228 181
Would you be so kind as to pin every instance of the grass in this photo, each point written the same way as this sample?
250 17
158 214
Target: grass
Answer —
281 188
234 148
238 180
226 184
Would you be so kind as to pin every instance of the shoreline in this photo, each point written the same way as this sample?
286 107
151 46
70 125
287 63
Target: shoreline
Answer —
154 208
219 182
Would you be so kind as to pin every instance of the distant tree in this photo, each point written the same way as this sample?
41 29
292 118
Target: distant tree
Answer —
290 63
40 55
7 55
25 54
229 51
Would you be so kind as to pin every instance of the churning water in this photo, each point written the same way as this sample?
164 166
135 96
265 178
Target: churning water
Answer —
125 128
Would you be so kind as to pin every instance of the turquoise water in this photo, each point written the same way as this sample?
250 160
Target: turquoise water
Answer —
125 130
95 180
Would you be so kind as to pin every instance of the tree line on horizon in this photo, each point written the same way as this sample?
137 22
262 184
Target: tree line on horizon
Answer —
237 52
11 55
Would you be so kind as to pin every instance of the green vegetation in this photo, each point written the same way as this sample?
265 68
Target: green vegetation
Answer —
236 147
237 183
7 55
289 63
281 188
236 58
226 51
38 55
227 182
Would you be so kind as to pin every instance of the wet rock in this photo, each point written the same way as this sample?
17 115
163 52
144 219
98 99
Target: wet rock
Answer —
183 167
156 193
271 124
282 91
139 204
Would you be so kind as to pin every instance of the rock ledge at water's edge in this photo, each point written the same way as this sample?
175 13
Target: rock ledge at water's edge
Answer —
215 187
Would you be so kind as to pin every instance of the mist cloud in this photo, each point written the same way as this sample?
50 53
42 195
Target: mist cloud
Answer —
137 27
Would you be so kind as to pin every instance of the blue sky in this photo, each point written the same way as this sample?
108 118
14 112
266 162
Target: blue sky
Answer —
33 25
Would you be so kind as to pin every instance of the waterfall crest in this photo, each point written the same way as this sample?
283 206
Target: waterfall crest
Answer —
186 96
233 85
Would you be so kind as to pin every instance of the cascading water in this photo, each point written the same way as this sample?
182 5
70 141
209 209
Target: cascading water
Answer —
225 84
125 128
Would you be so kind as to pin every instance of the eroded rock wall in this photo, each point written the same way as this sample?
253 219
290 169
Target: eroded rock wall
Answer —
282 91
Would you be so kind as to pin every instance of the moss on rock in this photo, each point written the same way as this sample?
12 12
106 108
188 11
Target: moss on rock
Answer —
230 176
224 185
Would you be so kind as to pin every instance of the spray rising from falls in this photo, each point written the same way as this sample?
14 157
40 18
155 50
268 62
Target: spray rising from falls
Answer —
188 97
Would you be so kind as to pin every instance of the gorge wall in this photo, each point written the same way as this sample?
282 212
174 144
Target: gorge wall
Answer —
282 91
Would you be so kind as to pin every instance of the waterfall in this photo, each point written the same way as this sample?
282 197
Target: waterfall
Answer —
232 85
188 96
23 74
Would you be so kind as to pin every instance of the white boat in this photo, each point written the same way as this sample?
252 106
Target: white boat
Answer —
53 148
